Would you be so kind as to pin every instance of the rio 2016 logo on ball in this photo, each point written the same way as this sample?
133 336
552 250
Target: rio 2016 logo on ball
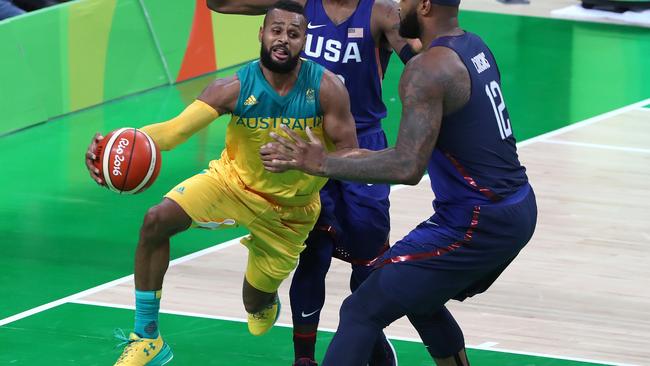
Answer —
129 160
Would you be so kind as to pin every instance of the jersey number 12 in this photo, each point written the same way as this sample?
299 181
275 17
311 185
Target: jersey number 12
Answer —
494 91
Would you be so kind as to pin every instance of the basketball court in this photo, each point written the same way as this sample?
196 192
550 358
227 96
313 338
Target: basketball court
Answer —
579 98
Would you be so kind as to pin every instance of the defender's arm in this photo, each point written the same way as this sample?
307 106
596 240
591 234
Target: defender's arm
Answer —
245 7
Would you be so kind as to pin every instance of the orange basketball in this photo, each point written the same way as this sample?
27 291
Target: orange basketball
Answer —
129 160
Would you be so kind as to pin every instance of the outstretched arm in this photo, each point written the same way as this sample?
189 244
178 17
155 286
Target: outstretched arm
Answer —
218 98
421 90
245 7
385 16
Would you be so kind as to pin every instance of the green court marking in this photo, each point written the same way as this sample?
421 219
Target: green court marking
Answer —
648 106
74 334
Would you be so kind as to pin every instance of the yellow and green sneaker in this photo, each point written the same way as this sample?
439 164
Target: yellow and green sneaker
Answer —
260 322
143 351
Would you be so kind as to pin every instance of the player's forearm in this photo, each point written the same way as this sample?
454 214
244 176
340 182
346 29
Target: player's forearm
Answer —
385 166
177 130
350 153
244 7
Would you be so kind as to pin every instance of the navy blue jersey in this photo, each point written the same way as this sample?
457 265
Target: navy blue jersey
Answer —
349 51
475 159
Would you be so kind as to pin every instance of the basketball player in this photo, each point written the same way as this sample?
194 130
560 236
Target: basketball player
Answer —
279 210
455 124
354 39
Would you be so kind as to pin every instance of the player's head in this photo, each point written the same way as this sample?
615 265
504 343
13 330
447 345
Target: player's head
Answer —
282 36
412 12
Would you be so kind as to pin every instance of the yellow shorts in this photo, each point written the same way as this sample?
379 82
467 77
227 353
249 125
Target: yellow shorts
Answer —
218 199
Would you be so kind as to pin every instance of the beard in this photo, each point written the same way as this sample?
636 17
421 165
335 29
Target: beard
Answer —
409 26
278 67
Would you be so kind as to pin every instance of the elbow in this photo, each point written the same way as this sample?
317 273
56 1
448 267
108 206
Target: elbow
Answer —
220 6
412 180
411 175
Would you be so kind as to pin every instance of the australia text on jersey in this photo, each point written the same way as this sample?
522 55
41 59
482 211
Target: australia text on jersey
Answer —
275 122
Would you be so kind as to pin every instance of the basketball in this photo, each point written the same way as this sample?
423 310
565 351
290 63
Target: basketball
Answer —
129 160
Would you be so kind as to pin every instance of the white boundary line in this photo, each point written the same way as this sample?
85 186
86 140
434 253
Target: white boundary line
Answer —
584 123
218 247
545 136
486 346
113 283
598 146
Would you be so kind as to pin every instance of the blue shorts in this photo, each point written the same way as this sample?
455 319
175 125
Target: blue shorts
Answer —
441 260
356 214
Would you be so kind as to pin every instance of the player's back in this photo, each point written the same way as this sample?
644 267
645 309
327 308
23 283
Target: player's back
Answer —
475 159
348 50
261 110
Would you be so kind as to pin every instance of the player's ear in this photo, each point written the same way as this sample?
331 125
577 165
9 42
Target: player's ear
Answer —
424 7
259 36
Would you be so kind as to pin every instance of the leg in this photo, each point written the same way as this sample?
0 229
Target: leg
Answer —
256 300
367 225
383 352
151 261
276 241
363 316
260 297
152 254
442 337
307 293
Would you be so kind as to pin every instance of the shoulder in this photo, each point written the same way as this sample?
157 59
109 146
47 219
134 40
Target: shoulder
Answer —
427 72
247 69
385 7
222 94
330 82
332 91
436 74
436 62
385 13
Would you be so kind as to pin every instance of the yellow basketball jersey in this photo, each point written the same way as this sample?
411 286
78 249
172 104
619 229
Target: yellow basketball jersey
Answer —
261 110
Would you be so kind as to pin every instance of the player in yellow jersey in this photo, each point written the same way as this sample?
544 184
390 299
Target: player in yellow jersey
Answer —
279 210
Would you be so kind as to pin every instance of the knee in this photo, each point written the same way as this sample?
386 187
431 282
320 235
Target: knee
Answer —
352 310
159 222
153 222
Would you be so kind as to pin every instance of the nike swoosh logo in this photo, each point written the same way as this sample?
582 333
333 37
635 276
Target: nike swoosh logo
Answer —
310 314
431 223
309 26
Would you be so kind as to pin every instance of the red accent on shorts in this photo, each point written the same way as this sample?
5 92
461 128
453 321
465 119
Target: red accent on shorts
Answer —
440 251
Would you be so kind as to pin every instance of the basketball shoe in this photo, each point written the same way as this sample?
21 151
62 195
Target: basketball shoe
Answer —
260 322
143 351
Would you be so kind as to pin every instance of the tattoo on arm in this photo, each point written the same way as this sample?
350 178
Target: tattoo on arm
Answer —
421 94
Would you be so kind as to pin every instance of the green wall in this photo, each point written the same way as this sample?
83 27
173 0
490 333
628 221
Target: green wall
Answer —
84 53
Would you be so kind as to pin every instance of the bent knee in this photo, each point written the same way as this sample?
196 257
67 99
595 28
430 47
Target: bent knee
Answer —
165 219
